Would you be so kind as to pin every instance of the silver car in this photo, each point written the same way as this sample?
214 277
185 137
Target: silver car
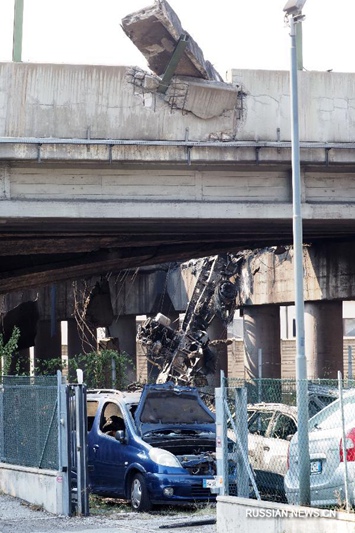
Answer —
327 480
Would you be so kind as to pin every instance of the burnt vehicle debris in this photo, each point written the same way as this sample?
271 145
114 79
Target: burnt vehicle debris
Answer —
156 446
185 356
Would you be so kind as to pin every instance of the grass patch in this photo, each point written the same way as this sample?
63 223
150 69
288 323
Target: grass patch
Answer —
100 505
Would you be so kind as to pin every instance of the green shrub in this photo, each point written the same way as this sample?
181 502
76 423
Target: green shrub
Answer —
102 369
7 350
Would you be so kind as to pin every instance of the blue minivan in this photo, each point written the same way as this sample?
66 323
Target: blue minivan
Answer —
155 446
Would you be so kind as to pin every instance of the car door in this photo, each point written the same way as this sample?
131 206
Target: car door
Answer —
276 443
258 428
106 455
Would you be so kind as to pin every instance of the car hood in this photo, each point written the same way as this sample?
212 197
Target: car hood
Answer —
171 407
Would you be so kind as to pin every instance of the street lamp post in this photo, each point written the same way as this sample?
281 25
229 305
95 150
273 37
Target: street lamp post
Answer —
293 10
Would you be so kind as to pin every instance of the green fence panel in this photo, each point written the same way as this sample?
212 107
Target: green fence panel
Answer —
29 421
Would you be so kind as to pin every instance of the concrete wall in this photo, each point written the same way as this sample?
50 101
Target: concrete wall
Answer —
69 191
326 105
204 181
267 276
64 101
156 290
242 515
36 486
42 100
236 355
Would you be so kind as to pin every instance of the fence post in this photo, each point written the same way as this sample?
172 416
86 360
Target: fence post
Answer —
2 425
81 447
63 444
241 422
350 363
260 374
221 438
346 477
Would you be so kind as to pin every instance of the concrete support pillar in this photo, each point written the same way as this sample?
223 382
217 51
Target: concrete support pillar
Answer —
124 328
48 343
324 339
142 364
74 341
261 325
218 331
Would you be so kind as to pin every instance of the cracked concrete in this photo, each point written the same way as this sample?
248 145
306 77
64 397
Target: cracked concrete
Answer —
204 99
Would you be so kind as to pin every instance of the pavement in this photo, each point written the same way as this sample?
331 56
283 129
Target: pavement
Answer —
19 516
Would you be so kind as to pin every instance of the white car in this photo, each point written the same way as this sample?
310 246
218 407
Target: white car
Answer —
327 468
270 427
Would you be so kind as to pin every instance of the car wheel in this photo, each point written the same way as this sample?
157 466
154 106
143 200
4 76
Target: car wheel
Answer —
140 500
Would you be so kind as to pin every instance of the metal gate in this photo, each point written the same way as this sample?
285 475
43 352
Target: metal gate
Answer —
233 467
72 424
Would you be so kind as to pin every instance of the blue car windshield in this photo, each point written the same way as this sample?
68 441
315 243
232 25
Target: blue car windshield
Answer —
174 409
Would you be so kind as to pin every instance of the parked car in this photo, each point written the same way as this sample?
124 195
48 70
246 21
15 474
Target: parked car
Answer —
327 456
156 446
271 427
319 396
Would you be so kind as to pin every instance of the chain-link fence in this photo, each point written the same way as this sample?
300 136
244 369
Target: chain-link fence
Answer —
272 446
29 421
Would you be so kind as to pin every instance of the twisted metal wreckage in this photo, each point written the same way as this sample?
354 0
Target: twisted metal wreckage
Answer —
184 356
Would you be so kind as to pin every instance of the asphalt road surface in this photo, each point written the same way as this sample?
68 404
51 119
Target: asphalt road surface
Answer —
17 516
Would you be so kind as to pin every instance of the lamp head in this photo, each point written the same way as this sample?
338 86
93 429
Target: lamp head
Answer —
294 7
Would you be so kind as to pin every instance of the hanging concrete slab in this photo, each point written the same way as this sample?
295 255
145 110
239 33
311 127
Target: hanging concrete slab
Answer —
156 31
205 99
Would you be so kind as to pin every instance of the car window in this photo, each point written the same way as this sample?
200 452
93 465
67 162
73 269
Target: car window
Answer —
313 407
259 423
318 402
111 419
334 419
326 400
250 413
163 408
329 417
284 426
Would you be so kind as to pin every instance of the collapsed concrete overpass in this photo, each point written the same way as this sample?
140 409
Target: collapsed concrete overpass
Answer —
99 172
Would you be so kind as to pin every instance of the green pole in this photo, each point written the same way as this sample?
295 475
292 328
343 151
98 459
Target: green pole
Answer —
299 46
18 23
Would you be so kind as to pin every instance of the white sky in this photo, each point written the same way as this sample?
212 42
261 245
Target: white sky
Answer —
232 33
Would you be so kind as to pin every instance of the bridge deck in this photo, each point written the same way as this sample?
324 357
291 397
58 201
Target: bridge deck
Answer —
98 173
